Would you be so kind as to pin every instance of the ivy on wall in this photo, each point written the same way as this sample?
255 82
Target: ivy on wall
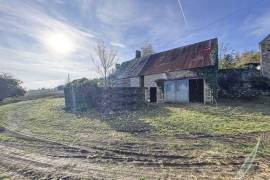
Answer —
210 74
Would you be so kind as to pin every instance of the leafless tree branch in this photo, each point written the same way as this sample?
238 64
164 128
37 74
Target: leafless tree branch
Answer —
106 58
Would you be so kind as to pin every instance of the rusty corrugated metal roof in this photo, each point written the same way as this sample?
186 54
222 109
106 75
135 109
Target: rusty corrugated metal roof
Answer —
186 57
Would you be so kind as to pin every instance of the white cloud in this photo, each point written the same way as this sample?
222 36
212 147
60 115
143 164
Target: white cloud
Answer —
26 30
48 83
134 23
120 45
117 13
257 25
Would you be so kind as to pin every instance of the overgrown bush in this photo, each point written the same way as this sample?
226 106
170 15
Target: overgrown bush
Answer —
242 83
260 83
10 87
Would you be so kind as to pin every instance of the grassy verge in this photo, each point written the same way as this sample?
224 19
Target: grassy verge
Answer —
197 119
33 95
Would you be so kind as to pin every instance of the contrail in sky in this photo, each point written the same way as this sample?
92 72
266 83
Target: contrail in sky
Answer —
182 12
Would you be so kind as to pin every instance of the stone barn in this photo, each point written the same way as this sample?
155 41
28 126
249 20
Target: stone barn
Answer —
180 75
265 57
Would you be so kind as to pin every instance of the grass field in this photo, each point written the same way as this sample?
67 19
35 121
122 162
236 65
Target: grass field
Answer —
39 139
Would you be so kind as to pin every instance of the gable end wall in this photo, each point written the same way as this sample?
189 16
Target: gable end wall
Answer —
265 58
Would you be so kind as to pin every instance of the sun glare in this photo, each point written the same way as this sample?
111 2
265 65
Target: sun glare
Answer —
59 43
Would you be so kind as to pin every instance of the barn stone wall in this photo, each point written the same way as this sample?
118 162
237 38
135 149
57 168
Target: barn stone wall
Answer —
135 82
122 82
265 57
127 82
105 100
208 98
80 96
150 81
118 99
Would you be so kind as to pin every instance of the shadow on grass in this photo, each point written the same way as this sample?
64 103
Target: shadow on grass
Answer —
129 121
252 105
234 108
196 120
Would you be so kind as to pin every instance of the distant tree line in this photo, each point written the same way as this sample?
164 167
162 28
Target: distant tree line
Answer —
229 58
10 87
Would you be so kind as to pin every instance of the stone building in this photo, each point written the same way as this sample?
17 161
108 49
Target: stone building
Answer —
265 56
184 74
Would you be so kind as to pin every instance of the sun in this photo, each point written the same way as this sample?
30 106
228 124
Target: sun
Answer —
59 43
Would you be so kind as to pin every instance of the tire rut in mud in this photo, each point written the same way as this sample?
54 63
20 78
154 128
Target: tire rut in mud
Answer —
120 153
115 153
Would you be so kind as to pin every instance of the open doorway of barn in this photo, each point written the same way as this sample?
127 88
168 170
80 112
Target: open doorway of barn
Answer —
196 90
153 94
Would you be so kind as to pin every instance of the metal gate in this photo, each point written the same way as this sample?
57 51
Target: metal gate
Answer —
176 91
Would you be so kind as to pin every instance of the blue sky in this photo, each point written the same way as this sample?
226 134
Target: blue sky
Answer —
42 41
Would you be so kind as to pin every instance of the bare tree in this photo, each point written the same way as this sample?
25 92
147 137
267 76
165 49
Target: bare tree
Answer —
224 50
106 58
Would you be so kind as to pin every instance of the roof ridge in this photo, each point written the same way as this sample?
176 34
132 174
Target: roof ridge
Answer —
186 46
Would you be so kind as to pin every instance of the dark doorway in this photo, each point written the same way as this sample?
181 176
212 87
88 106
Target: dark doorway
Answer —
141 81
196 90
153 94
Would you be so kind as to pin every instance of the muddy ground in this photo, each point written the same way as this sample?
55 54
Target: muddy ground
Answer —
26 157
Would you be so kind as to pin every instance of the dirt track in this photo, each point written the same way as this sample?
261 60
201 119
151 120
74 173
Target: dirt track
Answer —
33 158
